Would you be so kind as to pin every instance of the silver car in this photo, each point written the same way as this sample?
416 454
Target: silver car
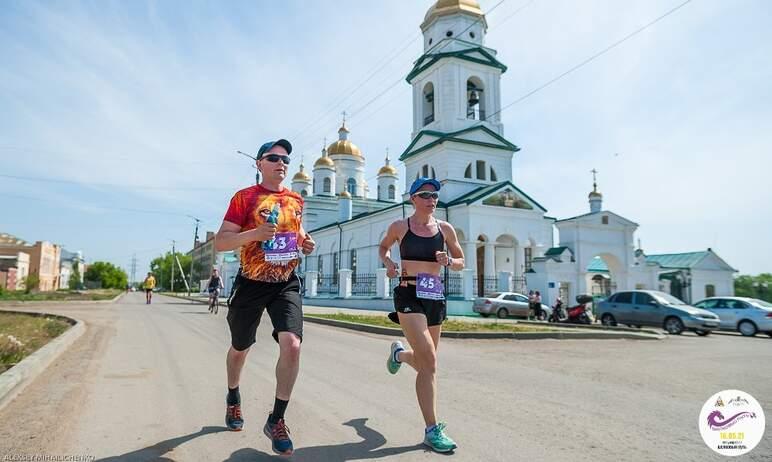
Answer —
504 304
745 315
654 308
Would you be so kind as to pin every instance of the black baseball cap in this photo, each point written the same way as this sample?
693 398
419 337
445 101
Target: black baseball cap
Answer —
268 145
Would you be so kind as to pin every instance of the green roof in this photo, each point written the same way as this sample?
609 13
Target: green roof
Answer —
685 260
555 251
362 215
483 191
427 60
453 136
678 260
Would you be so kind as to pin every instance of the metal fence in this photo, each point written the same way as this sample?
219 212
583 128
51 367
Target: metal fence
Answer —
363 285
519 284
328 284
486 285
454 286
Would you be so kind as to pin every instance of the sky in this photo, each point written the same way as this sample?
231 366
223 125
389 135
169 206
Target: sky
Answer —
119 121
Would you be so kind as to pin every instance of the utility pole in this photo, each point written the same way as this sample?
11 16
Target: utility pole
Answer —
257 172
192 252
133 269
174 254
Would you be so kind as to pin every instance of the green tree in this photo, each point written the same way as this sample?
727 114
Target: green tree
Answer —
754 286
74 282
106 274
161 268
31 282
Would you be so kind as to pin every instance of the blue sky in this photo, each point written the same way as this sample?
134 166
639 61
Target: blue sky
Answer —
141 106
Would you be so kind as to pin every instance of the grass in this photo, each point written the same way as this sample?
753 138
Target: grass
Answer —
60 295
448 326
22 334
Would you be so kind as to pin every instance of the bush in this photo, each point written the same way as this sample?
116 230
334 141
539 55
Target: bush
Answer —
11 350
31 282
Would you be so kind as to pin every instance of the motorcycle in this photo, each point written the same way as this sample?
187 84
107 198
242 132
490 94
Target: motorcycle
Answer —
578 314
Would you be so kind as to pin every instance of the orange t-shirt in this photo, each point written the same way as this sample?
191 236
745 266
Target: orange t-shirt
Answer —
251 207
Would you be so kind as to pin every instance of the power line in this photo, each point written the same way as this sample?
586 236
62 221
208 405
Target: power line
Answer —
109 185
111 208
591 58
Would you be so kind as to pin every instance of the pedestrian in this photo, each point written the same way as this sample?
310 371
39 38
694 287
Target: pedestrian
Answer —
265 221
419 299
149 284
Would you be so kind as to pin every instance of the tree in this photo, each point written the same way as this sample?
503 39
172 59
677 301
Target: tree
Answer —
161 268
74 282
754 286
31 282
107 275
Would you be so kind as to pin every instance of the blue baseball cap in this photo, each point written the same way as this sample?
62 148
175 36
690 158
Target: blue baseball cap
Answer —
422 181
266 146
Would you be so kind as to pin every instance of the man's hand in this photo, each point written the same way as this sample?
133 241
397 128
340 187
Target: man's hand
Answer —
442 258
308 245
265 232
392 270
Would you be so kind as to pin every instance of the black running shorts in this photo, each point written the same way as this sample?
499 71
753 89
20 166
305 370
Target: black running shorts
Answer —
248 300
405 301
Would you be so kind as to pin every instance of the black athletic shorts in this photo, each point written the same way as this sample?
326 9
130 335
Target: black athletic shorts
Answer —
248 300
405 301
147 291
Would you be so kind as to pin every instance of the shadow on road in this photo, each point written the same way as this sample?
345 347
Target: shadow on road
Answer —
365 449
156 452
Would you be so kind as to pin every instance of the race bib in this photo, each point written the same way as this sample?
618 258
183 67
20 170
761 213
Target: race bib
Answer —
284 248
429 287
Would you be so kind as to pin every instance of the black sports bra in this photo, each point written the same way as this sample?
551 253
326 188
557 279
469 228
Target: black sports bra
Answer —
417 248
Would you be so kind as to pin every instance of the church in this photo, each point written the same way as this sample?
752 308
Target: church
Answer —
509 241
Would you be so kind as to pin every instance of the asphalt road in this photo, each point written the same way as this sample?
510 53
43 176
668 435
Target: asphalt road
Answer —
148 383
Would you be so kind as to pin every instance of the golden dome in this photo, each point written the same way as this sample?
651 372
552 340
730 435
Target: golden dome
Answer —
387 170
345 194
301 176
344 147
324 161
448 7
595 194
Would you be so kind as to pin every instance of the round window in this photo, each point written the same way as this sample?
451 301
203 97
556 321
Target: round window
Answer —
471 34
449 33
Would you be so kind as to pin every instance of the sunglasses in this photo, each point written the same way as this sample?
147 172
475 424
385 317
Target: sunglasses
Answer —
428 195
276 158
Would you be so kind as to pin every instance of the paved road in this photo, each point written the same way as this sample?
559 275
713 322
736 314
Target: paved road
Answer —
147 383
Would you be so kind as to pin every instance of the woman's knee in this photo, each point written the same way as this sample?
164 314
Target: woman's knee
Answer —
426 361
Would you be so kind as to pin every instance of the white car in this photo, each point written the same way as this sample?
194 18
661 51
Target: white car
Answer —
742 314
504 304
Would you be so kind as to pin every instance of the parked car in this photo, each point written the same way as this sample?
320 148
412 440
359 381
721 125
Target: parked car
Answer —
745 315
653 308
504 304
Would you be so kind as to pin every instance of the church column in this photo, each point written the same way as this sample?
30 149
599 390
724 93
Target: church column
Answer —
470 255
490 260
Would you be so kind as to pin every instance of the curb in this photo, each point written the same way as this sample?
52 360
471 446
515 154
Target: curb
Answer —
590 326
15 379
59 302
559 335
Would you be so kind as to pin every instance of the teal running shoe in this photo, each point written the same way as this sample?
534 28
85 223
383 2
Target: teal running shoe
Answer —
392 364
438 440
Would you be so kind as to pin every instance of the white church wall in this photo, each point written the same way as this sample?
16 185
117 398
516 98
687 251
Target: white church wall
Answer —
723 282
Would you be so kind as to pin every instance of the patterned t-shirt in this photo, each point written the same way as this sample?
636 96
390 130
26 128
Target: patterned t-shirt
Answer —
250 208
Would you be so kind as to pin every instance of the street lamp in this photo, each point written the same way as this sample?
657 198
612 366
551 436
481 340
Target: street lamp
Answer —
257 173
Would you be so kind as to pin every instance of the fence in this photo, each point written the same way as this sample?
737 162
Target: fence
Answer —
486 285
328 285
363 285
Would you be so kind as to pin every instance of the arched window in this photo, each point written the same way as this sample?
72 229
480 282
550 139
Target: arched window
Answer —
425 171
379 191
327 185
351 186
475 102
468 171
493 175
319 268
480 169
392 192
353 264
428 104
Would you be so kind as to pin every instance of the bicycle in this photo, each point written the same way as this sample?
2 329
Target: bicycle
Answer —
214 301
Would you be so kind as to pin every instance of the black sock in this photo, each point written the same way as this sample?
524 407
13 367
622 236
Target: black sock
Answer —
279 406
234 397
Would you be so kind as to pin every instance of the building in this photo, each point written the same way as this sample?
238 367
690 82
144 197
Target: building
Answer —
204 259
44 259
68 262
